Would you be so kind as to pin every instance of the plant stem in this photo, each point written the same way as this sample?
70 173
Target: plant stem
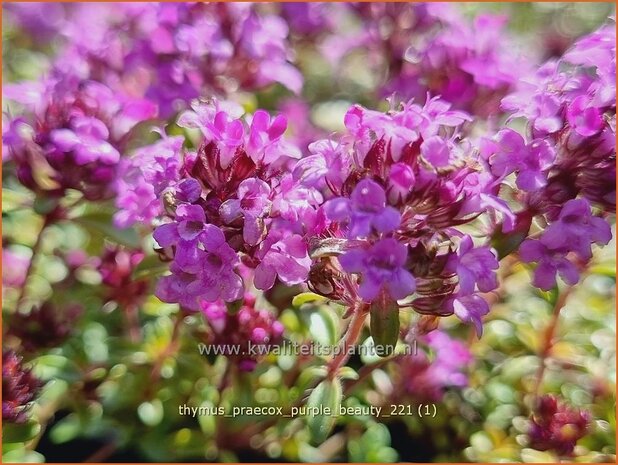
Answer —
131 314
548 338
350 338
36 249
172 346
103 453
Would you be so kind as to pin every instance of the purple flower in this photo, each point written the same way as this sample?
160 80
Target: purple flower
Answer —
550 262
382 267
14 135
470 65
328 164
474 267
87 140
284 256
470 309
265 143
576 229
536 102
436 151
480 189
584 118
309 18
530 161
188 226
400 182
76 128
451 359
598 50
366 210
171 54
263 38
203 266
294 200
252 205
219 122
143 177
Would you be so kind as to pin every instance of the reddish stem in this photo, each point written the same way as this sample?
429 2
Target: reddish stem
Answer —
350 338
548 338
131 314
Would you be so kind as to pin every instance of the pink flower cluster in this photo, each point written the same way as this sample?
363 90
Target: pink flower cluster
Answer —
237 206
409 208
565 165
171 53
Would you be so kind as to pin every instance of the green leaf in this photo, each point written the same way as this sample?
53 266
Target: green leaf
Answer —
327 394
44 205
52 366
23 432
604 269
310 374
151 413
324 326
306 297
66 429
347 373
551 296
373 446
101 224
23 456
384 324
14 200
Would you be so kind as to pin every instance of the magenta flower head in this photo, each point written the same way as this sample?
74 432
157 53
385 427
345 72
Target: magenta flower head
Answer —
575 230
556 426
251 205
171 54
475 267
248 326
469 309
425 377
143 177
46 325
231 203
326 165
366 210
75 137
470 65
381 268
410 183
204 264
19 388
530 161
116 266
284 256
570 104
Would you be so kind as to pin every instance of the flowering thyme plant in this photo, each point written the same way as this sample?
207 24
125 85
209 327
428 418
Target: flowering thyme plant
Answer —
308 232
